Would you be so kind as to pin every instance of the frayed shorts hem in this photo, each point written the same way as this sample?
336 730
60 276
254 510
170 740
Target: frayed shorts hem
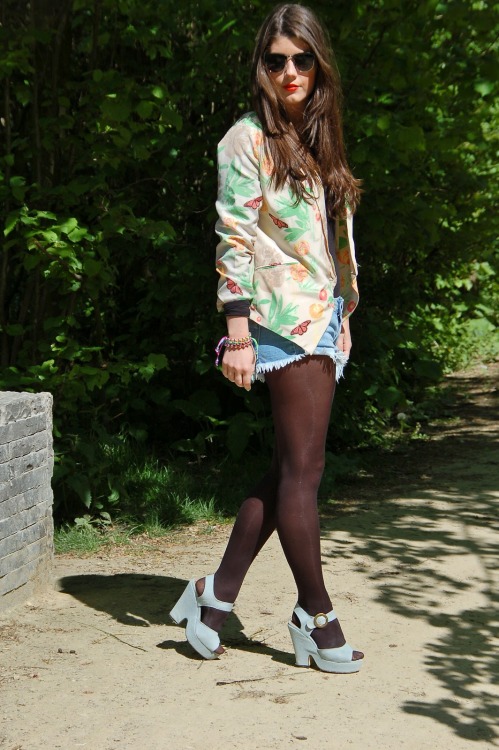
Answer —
339 358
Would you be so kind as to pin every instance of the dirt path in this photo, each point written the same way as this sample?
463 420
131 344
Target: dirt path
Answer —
412 559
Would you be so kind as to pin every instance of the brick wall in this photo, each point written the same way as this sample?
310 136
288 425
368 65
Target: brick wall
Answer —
26 464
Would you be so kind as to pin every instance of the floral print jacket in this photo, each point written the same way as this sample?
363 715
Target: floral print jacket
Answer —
273 252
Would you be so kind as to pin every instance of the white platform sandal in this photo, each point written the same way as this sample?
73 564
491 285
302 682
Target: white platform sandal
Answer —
203 639
338 660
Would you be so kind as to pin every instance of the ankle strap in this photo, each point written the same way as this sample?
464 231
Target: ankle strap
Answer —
310 622
208 598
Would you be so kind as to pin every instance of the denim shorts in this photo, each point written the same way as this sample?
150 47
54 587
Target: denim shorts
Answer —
274 351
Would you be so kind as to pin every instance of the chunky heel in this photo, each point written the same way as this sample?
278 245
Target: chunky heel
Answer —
184 605
336 660
203 639
300 644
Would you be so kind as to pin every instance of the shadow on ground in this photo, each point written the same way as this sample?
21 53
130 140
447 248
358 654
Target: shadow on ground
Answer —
427 532
138 600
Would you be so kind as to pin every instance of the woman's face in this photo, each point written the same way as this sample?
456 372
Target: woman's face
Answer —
292 86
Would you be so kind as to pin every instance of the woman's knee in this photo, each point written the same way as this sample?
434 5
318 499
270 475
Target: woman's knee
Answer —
307 472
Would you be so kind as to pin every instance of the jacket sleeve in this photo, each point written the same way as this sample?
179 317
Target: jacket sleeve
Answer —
238 204
347 264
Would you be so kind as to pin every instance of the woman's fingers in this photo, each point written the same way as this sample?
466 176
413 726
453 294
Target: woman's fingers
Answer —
238 367
246 380
344 342
240 378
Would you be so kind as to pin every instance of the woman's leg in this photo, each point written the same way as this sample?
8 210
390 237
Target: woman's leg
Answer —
302 396
254 524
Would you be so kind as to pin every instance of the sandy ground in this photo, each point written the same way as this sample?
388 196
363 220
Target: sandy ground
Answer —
411 557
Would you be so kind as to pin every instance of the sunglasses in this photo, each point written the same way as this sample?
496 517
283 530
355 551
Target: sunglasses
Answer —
303 61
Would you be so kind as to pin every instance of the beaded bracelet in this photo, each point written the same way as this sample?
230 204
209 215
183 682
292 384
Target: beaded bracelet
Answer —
233 345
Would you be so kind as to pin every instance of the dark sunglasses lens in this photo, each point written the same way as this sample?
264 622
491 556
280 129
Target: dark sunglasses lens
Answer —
275 63
304 62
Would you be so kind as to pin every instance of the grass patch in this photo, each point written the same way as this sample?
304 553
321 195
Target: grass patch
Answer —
135 493
73 539
154 495
89 534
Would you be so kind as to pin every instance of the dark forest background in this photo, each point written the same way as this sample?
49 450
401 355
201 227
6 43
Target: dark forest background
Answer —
111 111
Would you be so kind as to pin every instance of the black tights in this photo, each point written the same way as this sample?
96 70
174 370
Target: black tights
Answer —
285 499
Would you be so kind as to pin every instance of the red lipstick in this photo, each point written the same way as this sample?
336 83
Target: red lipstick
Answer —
291 87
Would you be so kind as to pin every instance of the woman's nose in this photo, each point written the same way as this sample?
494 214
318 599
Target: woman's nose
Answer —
290 71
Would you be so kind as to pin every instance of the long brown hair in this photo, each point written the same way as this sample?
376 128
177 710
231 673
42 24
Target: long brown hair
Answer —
318 150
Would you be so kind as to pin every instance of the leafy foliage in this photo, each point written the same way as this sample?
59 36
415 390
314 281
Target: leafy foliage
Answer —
111 113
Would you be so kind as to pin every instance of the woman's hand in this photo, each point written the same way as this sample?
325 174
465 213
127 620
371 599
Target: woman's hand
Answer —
238 366
344 342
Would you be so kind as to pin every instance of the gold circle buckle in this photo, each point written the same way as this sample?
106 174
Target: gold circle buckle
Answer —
320 620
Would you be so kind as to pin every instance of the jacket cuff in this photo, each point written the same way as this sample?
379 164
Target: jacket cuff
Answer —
239 308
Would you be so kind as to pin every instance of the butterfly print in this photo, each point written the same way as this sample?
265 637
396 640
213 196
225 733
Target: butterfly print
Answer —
254 202
301 328
233 287
278 222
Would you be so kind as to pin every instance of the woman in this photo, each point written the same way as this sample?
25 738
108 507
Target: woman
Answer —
287 284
